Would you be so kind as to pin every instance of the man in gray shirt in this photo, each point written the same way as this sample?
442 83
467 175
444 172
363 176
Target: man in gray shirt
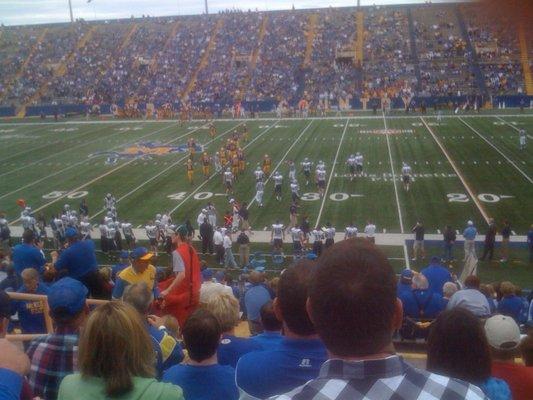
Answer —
470 298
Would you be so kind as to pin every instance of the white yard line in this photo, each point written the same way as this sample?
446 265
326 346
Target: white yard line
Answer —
331 173
458 173
212 176
108 172
498 150
399 208
78 163
282 159
58 153
172 165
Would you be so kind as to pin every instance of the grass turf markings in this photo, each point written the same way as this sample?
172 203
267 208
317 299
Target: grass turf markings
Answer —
172 165
331 174
498 150
108 172
458 172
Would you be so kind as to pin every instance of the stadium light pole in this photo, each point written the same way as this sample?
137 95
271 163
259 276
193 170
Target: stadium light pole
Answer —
70 9
206 9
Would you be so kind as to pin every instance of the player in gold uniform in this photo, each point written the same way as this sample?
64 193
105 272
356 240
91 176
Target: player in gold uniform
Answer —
212 130
240 156
206 163
191 144
190 171
267 163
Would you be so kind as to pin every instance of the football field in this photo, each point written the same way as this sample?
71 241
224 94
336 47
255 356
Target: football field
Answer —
464 167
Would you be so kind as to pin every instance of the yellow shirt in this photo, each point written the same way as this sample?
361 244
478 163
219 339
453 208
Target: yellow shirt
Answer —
130 276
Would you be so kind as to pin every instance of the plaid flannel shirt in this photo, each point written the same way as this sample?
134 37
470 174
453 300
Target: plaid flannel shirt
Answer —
52 358
386 379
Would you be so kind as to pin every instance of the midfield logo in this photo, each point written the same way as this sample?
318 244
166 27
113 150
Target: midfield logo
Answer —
146 150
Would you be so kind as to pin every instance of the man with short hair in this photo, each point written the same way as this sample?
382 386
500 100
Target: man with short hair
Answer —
356 318
469 234
218 241
139 271
271 336
55 356
421 303
418 244
471 298
244 248
168 350
254 298
298 356
202 377
28 254
437 275
78 261
448 290
490 241
503 336
30 312
206 234
14 364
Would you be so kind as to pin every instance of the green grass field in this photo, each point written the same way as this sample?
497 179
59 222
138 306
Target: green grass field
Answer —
465 167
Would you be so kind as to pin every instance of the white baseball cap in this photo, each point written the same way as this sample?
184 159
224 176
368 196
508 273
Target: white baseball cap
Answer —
502 332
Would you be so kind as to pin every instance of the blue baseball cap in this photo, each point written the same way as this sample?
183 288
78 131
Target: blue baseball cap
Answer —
69 294
207 274
71 232
124 254
407 275
141 253
311 256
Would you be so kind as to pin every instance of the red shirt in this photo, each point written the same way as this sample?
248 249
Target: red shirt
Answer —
518 377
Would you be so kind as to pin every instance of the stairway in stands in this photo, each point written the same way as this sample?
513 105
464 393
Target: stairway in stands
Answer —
204 60
414 51
310 34
360 36
245 83
32 52
474 61
59 71
168 42
524 59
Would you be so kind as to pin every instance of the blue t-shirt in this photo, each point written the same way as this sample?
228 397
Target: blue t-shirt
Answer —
268 340
437 276
78 259
402 288
470 233
254 298
31 313
212 382
232 348
267 373
511 306
422 300
28 256
10 385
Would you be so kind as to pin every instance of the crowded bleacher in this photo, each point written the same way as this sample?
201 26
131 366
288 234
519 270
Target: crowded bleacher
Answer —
325 56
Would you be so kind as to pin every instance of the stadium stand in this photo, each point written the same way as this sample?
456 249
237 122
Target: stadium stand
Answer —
346 56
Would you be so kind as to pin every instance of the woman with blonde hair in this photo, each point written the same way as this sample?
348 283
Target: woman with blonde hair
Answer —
225 308
116 359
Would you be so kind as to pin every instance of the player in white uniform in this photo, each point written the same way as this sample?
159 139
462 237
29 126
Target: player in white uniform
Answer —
277 235
292 170
110 234
129 236
109 201
259 174
103 236
216 162
522 137
406 176
295 188
235 207
201 217
329 232
211 214
359 164
85 228
297 238
370 231
318 240
321 181
350 232
278 180
351 166
228 181
151 233
259 191
306 167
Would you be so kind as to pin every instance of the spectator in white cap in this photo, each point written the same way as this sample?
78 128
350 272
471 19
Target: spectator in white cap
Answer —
201 217
503 336
469 235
